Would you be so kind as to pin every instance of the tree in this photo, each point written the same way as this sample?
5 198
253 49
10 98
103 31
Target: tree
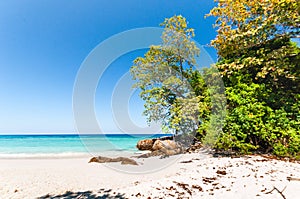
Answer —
261 72
171 88
246 24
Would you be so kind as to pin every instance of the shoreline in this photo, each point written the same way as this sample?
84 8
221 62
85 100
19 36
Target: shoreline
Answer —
194 175
42 156
68 155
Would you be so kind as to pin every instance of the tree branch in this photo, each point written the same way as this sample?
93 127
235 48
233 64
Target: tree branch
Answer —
280 192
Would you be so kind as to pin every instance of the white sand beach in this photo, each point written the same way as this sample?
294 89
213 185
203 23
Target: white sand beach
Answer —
196 175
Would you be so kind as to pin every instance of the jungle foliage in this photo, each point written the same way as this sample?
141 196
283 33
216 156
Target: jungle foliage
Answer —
261 73
259 65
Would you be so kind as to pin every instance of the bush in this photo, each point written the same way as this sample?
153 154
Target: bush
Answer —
252 125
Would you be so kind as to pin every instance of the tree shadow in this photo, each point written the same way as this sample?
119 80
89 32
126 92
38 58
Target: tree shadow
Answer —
101 194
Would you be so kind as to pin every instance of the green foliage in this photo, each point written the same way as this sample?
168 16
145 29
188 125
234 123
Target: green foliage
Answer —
260 69
253 125
171 88
261 73
215 102
248 24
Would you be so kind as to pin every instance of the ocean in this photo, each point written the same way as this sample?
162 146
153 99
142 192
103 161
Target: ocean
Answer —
63 146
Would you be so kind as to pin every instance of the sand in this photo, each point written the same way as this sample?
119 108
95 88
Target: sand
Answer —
196 175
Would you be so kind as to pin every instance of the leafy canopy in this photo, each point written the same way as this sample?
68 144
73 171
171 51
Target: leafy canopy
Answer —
169 85
261 72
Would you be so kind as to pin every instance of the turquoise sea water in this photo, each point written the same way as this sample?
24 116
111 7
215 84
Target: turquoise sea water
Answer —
18 146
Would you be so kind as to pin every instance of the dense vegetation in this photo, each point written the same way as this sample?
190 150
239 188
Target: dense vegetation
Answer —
261 73
260 68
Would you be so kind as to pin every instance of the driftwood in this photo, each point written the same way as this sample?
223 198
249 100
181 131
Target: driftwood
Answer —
292 179
187 161
280 192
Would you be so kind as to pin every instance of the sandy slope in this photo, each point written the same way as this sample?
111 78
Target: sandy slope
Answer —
195 175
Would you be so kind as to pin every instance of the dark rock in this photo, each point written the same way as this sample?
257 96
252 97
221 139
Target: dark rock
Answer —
123 160
145 144
164 147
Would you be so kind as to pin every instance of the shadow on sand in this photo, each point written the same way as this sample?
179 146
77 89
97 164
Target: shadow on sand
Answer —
101 194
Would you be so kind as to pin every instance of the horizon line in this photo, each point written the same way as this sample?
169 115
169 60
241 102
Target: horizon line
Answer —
49 134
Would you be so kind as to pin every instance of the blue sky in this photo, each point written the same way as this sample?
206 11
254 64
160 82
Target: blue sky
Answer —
44 42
